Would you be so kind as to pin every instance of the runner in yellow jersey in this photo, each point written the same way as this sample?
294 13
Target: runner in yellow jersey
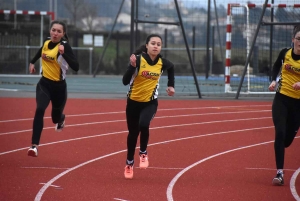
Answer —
57 56
286 103
143 74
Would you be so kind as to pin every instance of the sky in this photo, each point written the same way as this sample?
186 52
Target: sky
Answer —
204 3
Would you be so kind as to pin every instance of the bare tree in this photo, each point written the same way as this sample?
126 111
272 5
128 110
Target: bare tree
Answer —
90 14
82 9
75 7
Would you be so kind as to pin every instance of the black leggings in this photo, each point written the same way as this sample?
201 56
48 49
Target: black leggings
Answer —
139 115
46 91
286 119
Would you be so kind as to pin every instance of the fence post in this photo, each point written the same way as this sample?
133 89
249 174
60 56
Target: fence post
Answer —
91 60
27 59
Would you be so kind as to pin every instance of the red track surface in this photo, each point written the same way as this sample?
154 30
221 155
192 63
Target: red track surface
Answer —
198 150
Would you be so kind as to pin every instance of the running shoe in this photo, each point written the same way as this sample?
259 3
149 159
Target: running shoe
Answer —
278 180
32 151
128 173
144 162
60 126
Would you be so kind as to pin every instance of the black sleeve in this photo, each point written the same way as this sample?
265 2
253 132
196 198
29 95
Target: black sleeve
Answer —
278 63
69 56
169 66
130 71
39 52
37 56
128 74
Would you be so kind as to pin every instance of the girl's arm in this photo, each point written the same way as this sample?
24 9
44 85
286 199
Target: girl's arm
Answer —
69 56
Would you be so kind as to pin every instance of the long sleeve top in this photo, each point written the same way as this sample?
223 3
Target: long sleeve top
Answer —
144 78
52 67
286 71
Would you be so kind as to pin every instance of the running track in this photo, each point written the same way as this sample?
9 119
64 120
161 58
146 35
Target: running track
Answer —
198 150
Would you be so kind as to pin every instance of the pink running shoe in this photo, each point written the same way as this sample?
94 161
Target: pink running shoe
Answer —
144 162
128 173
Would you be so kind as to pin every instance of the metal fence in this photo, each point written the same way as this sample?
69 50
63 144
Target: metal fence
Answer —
20 36
16 59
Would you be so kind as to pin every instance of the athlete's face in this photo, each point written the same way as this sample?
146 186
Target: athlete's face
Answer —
56 33
296 41
154 46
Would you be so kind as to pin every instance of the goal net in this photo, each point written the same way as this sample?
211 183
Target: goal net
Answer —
275 33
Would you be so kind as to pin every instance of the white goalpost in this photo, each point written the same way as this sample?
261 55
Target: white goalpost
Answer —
242 21
26 12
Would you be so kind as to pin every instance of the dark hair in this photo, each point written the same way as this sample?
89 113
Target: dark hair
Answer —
143 48
296 30
64 28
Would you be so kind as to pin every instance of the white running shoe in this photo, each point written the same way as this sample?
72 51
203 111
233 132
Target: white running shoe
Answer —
32 151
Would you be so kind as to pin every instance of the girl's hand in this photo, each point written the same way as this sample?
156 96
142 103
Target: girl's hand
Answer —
31 68
61 49
133 60
170 91
272 86
296 86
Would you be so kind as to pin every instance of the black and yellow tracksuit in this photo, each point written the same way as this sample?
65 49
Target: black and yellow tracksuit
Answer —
52 85
286 103
142 97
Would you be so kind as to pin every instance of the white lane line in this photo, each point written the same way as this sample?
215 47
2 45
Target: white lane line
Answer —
273 169
52 185
113 121
293 185
53 168
69 115
120 199
162 168
49 183
119 132
62 141
175 179
121 112
44 188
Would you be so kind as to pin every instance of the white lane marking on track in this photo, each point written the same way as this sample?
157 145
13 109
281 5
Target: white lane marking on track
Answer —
293 185
53 168
113 121
120 199
119 132
174 180
161 168
62 141
44 188
269 169
70 115
52 185
120 112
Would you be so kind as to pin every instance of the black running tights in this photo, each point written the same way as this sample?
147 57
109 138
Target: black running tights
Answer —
286 119
138 115
46 91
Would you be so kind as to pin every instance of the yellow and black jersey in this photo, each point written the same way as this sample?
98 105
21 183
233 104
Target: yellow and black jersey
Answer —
144 79
286 71
52 67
